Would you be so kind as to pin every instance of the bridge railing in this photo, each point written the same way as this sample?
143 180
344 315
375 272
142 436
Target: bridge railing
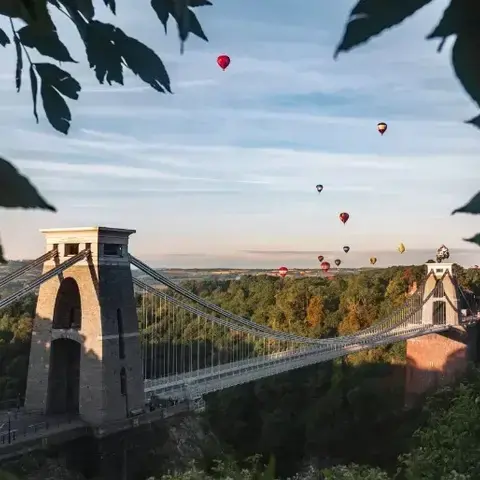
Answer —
9 436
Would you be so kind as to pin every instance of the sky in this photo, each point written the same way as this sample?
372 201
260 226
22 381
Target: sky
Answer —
223 172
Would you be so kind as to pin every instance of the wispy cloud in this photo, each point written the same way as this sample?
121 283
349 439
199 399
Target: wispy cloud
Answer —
229 163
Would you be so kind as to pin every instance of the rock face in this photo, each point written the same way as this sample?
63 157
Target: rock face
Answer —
188 439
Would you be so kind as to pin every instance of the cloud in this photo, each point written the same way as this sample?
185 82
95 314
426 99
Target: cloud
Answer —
229 163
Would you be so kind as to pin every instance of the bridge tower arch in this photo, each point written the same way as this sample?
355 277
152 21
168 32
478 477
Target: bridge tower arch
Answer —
442 308
85 350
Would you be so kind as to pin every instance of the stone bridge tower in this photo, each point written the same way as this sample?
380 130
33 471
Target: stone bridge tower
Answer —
438 358
85 353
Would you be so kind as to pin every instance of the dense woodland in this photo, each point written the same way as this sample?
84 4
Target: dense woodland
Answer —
340 412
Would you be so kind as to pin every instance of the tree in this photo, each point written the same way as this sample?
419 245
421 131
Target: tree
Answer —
315 312
461 19
109 51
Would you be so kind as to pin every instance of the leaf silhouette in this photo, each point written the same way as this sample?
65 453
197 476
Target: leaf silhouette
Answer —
111 5
162 8
19 65
60 79
16 191
143 61
466 62
54 81
371 17
46 42
475 239
4 40
473 206
186 19
85 7
474 121
2 258
199 3
103 55
34 88
449 23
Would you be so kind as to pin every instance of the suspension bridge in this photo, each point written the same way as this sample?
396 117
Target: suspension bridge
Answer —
105 343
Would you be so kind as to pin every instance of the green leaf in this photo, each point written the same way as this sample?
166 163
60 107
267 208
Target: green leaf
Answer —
16 191
449 23
162 8
143 61
4 40
466 62
111 5
32 12
46 42
475 239
474 121
86 8
199 3
371 17
60 79
473 206
103 55
34 88
55 80
195 27
2 258
56 109
19 66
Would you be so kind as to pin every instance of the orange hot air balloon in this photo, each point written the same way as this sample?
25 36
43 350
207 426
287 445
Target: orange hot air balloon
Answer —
382 127
223 61
373 260
283 271
325 266
320 258
344 216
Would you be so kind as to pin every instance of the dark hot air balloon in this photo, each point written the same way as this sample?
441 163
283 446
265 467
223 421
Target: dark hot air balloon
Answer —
320 258
283 271
319 188
223 61
344 216
338 262
346 248
325 266
373 260
382 127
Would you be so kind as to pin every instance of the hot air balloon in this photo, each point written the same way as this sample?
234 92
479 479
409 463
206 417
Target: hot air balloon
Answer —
223 61
373 260
344 216
283 271
325 266
442 254
382 127
320 258
338 262
401 248
346 248
319 188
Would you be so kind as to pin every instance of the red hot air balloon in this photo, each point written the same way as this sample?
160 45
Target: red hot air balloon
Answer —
325 266
344 216
382 127
223 61
283 271
320 258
